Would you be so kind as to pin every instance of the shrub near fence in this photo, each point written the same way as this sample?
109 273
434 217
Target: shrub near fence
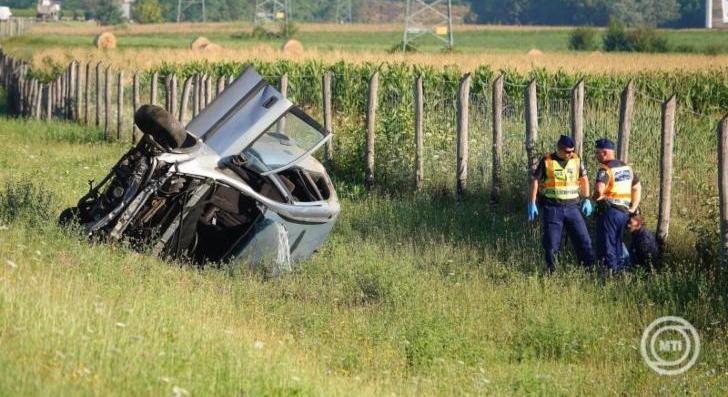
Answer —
440 137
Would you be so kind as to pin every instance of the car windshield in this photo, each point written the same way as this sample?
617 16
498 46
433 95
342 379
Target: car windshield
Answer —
287 141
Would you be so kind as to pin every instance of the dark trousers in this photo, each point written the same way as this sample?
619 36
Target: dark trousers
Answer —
610 229
554 218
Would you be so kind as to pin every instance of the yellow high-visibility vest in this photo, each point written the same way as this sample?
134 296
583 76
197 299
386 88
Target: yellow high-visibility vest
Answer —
562 183
619 188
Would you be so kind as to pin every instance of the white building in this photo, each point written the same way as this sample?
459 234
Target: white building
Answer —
716 14
126 6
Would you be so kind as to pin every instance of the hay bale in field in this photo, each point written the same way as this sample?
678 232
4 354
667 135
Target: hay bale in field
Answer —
533 52
596 53
209 47
292 47
105 40
199 42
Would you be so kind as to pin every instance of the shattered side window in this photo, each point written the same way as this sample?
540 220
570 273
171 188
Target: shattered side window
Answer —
284 143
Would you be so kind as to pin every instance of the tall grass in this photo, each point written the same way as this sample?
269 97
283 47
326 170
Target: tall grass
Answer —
413 294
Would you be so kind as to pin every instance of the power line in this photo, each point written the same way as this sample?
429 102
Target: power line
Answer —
425 18
183 5
272 12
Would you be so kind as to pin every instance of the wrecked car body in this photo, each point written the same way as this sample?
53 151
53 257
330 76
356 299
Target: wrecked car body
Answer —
238 184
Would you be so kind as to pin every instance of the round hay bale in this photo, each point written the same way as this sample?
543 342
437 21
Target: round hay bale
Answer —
292 47
105 40
209 47
533 52
199 42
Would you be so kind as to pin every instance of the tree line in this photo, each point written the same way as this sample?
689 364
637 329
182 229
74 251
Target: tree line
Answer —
664 13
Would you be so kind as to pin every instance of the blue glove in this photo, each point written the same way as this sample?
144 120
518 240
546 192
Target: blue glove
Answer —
532 212
586 207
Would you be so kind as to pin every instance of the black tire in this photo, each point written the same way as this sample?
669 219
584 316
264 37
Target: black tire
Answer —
161 126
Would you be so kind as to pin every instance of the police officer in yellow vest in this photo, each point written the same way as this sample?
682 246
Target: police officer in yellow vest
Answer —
617 192
563 180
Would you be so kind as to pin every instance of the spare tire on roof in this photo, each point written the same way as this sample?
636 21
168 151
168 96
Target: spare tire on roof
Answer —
161 125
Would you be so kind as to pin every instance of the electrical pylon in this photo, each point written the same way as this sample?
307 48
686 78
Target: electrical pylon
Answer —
425 18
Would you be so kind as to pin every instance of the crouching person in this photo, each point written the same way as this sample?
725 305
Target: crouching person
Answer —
643 251
563 180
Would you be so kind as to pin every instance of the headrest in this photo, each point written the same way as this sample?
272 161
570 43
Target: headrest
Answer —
161 125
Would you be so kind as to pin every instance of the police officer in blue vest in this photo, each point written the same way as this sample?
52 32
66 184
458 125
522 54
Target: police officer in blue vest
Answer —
618 192
563 180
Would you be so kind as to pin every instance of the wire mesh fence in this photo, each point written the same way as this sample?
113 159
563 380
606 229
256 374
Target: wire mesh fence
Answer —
394 145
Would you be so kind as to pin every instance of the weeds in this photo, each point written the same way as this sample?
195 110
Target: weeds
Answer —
27 202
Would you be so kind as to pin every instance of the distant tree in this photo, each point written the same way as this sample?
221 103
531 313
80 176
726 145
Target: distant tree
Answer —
645 12
108 13
615 38
148 11
583 39
581 12
692 15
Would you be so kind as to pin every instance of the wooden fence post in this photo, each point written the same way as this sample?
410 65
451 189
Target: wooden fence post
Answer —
98 94
167 91
52 98
19 95
196 95
154 88
72 90
79 92
463 150
63 102
625 122
107 103
220 85
208 90
173 96
185 99
283 85
119 104
59 96
723 187
531 114
38 101
419 133
668 135
86 92
135 106
49 101
371 125
201 102
230 79
497 99
328 116
577 117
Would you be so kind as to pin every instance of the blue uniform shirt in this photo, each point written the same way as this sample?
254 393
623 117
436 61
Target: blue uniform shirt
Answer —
643 251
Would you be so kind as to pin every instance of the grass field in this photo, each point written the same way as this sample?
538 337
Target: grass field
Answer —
142 46
469 38
411 295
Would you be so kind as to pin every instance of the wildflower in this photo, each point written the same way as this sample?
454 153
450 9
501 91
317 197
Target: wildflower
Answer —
258 345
